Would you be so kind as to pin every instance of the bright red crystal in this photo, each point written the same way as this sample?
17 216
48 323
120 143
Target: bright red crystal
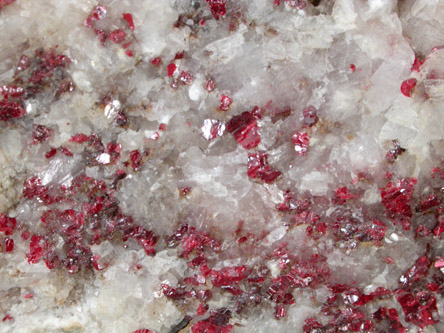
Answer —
157 61
419 308
7 224
40 133
117 36
10 110
143 330
259 168
417 272
228 275
209 85
301 140
79 138
173 293
377 230
65 151
245 129
136 159
35 250
185 77
9 244
129 19
146 238
171 68
225 103
396 200
416 67
310 116
407 87
217 8
342 195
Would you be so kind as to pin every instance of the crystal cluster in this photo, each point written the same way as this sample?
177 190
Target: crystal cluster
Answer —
216 166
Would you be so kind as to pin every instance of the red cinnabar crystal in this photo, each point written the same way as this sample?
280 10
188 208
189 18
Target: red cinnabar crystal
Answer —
129 19
225 103
245 129
259 168
117 36
301 141
407 87
217 8
10 110
7 224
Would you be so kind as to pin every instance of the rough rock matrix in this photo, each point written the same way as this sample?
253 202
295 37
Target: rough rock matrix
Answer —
215 166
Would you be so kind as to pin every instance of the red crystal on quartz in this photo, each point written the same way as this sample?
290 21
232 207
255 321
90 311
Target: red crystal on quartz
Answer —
301 140
117 36
7 224
228 275
217 8
129 19
10 110
245 129
259 168
407 87
396 200
40 133
225 103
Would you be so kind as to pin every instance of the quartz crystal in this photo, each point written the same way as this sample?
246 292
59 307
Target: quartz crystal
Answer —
216 166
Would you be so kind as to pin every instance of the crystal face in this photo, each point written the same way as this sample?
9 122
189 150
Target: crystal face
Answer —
222 166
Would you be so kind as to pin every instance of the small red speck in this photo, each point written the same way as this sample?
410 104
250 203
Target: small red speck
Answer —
28 296
129 19
126 45
209 85
143 330
179 55
129 53
202 309
157 61
202 22
66 151
407 87
301 142
162 127
117 36
9 244
225 103
7 224
186 77
10 110
79 138
217 8
242 240
136 159
389 260
25 235
280 311
301 4
40 133
155 136
277 2
353 68
7 317
171 68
